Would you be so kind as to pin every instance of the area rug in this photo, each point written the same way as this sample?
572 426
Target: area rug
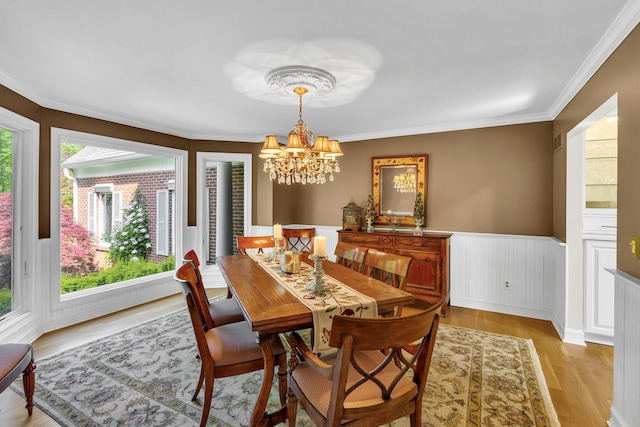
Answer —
145 376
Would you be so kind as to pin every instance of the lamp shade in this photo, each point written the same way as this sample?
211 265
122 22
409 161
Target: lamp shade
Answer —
271 145
322 145
335 148
294 145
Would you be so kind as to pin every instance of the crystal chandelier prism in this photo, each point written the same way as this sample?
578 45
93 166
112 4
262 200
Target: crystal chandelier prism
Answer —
305 158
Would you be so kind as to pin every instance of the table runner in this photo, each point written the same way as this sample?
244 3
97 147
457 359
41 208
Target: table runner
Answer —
337 299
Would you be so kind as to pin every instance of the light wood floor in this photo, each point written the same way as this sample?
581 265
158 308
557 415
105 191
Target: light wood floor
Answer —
580 379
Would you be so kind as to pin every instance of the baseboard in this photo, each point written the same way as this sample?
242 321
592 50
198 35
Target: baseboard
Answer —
501 308
574 336
615 420
599 339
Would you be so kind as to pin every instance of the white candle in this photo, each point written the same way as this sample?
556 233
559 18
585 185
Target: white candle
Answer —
320 246
277 231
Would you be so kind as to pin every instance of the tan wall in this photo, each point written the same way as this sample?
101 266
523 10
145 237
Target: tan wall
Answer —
619 74
492 180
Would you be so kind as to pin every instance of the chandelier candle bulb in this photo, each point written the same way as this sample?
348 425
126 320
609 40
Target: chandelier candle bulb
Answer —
320 246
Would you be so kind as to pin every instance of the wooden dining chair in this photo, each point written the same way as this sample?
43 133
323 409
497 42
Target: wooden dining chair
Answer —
221 311
16 360
255 242
371 380
300 239
387 267
349 255
225 350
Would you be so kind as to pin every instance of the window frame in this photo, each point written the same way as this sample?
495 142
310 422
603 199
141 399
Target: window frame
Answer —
25 224
92 296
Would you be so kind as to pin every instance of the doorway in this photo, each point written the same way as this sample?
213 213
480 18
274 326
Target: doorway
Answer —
591 226
224 202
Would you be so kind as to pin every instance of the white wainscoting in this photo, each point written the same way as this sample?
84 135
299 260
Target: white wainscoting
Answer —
519 275
625 411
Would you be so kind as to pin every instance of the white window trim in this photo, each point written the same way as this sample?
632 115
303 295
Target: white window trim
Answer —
128 292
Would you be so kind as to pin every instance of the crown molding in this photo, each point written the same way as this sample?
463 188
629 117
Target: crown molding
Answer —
625 22
448 127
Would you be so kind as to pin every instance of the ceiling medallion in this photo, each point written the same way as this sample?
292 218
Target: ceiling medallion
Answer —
284 80
305 158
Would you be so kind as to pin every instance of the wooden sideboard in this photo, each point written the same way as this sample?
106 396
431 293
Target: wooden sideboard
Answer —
428 278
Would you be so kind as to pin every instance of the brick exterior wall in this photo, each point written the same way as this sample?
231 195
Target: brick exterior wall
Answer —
147 184
237 183
237 200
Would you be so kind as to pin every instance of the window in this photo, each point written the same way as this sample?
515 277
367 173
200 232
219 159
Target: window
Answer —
601 164
115 221
18 219
6 222
104 212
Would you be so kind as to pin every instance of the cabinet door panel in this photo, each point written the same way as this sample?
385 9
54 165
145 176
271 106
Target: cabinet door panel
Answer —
424 272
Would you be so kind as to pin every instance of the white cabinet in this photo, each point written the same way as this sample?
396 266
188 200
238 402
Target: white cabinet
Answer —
600 255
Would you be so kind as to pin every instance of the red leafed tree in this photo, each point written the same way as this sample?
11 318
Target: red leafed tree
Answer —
6 201
76 252
5 223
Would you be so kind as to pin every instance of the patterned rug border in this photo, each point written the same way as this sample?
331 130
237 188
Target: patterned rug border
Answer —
537 366
535 362
542 380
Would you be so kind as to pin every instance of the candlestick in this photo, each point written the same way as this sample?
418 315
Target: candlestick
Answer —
317 285
320 246
277 249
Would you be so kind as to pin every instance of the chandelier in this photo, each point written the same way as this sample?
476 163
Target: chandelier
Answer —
305 158
405 182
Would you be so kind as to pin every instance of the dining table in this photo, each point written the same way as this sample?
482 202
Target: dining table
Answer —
270 309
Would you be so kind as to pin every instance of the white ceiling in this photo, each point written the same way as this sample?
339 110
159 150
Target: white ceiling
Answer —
196 68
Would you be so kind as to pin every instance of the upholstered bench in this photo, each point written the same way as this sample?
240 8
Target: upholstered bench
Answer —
16 359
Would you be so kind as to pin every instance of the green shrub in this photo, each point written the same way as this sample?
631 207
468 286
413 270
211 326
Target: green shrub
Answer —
130 239
5 300
120 271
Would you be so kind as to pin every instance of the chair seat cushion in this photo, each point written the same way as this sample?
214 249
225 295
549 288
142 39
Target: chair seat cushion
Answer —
235 343
318 389
14 359
224 311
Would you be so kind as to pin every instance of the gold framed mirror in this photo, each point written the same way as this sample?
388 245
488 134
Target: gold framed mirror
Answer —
396 182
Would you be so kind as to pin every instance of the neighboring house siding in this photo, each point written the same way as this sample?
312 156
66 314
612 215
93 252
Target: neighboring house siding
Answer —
147 183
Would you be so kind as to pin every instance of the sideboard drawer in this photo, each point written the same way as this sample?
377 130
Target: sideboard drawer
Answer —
418 243
363 239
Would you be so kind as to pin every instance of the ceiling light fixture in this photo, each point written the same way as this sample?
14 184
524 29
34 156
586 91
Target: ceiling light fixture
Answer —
305 158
